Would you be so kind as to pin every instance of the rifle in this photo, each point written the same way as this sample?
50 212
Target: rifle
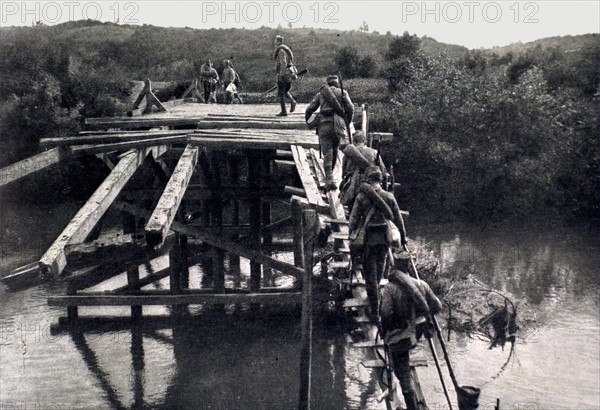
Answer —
344 108
300 74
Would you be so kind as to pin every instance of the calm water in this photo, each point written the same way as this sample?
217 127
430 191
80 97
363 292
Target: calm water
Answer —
237 361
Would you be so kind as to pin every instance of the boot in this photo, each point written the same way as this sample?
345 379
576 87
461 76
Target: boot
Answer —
293 106
329 183
283 112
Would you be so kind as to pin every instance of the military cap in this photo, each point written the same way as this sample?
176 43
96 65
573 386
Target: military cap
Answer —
278 37
332 78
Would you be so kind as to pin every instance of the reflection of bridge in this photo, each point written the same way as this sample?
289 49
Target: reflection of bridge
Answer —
199 184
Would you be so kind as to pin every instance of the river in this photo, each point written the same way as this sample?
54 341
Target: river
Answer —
241 360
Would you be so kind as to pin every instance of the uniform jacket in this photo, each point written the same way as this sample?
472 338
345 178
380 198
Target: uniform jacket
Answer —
283 57
207 73
349 166
327 110
403 300
362 205
228 74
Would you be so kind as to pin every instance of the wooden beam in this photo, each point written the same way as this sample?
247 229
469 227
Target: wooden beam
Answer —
123 146
164 213
223 143
54 261
32 164
140 122
267 124
109 137
283 298
310 186
219 242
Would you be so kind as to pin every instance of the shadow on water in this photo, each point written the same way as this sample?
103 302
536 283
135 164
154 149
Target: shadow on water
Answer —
222 361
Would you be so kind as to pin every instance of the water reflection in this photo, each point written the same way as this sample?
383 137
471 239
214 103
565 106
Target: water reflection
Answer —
218 361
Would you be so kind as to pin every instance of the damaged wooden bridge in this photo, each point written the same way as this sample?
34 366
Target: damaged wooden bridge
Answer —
231 188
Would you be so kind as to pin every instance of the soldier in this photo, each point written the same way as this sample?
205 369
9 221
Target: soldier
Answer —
405 303
357 157
373 206
336 113
286 73
231 81
209 78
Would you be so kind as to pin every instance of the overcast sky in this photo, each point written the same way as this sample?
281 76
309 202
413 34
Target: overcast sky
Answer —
472 24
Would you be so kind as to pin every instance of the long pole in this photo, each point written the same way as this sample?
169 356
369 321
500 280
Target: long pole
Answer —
437 330
347 125
428 336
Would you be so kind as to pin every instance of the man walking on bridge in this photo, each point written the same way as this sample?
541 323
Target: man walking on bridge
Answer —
286 73
405 303
336 113
373 206
209 78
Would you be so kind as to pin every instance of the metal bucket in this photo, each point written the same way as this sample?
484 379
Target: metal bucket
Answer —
468 397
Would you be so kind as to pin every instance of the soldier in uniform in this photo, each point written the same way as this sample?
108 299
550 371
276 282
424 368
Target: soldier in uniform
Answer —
231 81
357 157
405 304
286 73
336 113
209 79
373 206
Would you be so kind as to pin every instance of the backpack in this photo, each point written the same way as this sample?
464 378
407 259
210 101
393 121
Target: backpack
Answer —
349 187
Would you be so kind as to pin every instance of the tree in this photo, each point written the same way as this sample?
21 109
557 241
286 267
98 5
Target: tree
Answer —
348 60
406 46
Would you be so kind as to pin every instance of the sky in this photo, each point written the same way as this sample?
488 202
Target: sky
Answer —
473 24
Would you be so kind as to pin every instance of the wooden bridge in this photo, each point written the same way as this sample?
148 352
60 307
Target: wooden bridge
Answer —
216 185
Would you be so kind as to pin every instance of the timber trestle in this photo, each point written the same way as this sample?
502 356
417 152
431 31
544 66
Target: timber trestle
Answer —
230 188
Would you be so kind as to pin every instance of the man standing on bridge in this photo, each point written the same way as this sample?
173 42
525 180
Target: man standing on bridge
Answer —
336 112
286 73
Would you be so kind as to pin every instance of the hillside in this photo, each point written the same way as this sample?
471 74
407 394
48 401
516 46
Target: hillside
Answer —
175 54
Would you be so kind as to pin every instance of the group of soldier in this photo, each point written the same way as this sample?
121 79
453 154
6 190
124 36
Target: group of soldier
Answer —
401 308
230 82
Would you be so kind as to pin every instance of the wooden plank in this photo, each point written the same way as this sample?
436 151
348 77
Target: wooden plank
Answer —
54 261
310 186
354 302
160 222
283 298
122 146
109 138
141 122
317 161
299 125
215 240
32 164
238 143
110 247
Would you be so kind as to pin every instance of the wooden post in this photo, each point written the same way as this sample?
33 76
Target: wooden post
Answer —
72 311
254 216
297 228
309 228
175 274
133 280
266 219
234 259
218 255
